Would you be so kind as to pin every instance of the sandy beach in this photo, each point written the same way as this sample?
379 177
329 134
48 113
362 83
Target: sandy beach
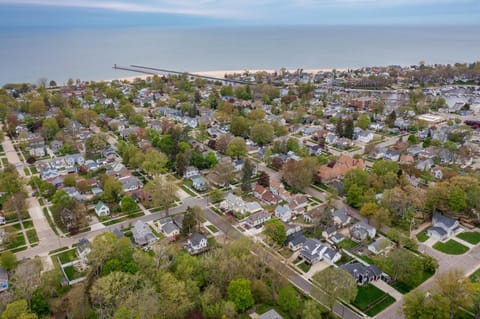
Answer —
221 73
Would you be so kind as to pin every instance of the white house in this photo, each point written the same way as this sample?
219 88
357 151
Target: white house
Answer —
84 248
258 219
101 209
196 243
314 251
237 205
443 227
190 171
283 212
361 230
365 136
379 245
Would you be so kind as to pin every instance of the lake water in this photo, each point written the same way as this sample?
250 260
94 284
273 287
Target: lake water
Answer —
89 54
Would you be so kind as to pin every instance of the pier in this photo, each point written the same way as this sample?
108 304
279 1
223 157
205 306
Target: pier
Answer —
157 71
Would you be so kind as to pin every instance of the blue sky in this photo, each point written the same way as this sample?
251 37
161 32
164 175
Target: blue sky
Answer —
78 13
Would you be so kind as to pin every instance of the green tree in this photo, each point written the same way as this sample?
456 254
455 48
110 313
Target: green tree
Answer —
338 285
112 189
421 305
363 121
95 144
384 167
8 260
299 174
288 299
247 171
155 162
216 195
50 127
311 310
239 126
456 289
189 222
457 199
69 180
276 231
237 147
240 294
128 205
262 133
18 310
348 128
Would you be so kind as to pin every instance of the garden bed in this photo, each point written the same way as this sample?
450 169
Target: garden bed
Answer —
451 247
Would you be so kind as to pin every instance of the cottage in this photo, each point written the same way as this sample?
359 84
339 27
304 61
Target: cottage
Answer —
295 241
3 279
283 212
341 217
379 245
190 171
199 183
258 219
361 230
443 227
142 234
196 243
363 274
101 209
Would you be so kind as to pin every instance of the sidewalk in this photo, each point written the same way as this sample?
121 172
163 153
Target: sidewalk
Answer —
380 284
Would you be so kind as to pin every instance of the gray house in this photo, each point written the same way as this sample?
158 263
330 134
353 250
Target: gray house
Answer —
363 274
142 234
443 227
361 230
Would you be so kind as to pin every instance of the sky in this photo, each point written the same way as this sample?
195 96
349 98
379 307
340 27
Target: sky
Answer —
114 13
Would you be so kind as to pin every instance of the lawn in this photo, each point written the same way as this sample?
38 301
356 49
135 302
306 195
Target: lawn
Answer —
33 169
212 228
27 224
372 300
18 241
67 256
475 277
32 236
422 236
347 244
304 267
72 273
451 247
470 237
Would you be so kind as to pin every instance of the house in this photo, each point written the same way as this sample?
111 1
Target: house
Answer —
437 172
344 163
379 245
361 230
392 155
130 183
337 238
55 146
314 251
363 274
271 314
328 232
101 209
190 171
340 217
283 212
365 136
443 227
264 194
3 279
84 248
142 234
199 183
295 241
236 204
49 173
196 243
258 219
3 220
170 230
314 215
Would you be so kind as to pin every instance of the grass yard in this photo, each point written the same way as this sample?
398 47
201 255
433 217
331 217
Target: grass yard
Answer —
475 277
372 300
470 237
115 221
422 236
67 256
27 224
18 241
347 244
212 228
32 236
451 247
304 267
72 273
33 169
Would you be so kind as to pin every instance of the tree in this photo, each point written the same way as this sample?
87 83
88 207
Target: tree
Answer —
95 144
264 179
216 195
237 147
422 305
402 265
311 310
363 121
457 199
37 107
154 162
112 189
239 126
383 167
8 260
225 172
288 299
163 192
50 127
368 210
299 174
128 205
381 218
338 284
18 310
69 180
86 116
276 231
240 294
457 290
348 128
262 133
189 222
247 171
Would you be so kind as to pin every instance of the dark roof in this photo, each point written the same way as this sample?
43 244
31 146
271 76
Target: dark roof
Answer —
118 233
360 269
447 221
196 238
295 239
83 244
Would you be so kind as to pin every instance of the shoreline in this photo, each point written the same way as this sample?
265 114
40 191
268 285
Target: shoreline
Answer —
221 73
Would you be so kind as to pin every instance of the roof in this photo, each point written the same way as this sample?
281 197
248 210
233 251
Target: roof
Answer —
358 268
296 239
169 227
439 231
118 233
447 221
99 205
142 233
341 214
343 164
83 244
271 314
196 239
3 274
